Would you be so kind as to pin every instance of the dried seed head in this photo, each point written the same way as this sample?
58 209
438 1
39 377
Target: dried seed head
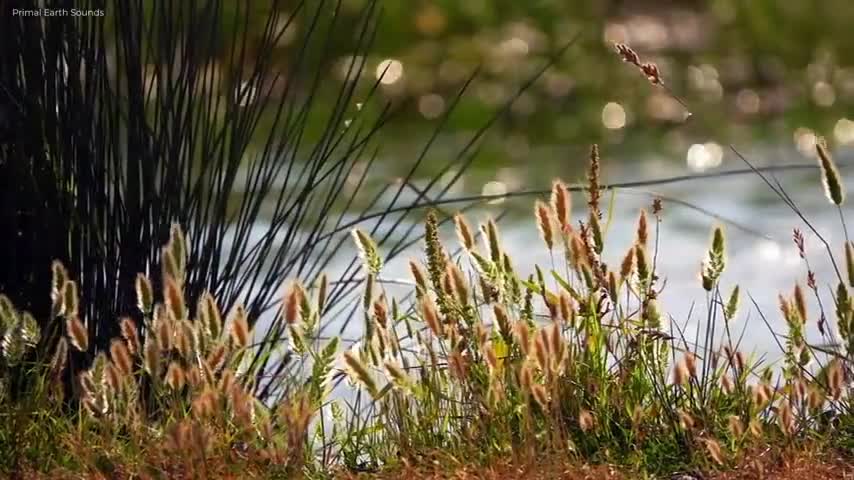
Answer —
561 204
785 418
458 365
800 303
185 340
714 449
642 232
502 319
240 327
59 275
112 378
459 286
526 376
541 396
759 395
833 186
227 382
628 264
541 350
293 299
816 398
210 315
628 55
144 294
652 73
686 421
691 364
566 308
204 405
523 336
60 358
131 335
175 299
76 331
755 428
463 232
545 223
586 421
121 357
835 379
431 316
164 333
358 371
175 377
418 275
642 263
680 373
493 242
151 356
396 374
70 301
739 361
380 309
736 426
216 358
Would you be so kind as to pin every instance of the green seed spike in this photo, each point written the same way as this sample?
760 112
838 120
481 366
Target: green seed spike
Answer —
830 175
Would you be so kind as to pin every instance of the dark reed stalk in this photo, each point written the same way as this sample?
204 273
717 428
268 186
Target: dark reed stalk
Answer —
115 127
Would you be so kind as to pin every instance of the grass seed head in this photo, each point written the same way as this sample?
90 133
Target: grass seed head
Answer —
561 203
151 356
144 294
59 275
735 426
371 259
131 335
714 450
431 316
293 299
121 357
833 186
77 332
175 299
60 358
240 327
464 232
642 234
545 223
70 299
358 371
586 421
541 396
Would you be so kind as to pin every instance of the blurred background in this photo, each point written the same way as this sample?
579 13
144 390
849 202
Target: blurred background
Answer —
764 75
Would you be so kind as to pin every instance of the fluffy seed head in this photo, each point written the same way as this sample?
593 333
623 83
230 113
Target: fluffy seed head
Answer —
642 232
164 333
561 204
459 286
800 303
541 396
833 186
77 332
628 264
431 315
714 450
216 358
785 418
175 299
144 294
686 421
121 357
210 315
586 420
736 426
293 299
545 223
240 327
59 275
464 232
359 372
60 358
130 334
70 300
849 262
151 356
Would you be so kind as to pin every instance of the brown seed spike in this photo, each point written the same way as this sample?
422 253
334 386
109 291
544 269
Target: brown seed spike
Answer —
800 303
652 73
77 333
628 55
121 357
240 327
561 204
545 223
642 233
175 299
594 191
293 300
131 335
464 232
833 186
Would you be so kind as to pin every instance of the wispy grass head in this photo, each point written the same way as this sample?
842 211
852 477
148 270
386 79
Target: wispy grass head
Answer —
833 186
